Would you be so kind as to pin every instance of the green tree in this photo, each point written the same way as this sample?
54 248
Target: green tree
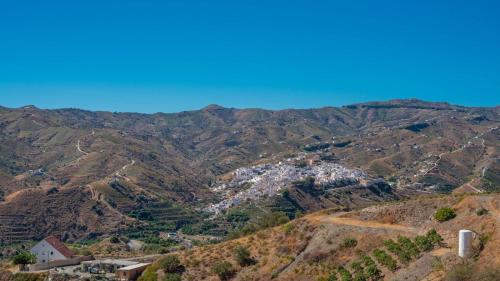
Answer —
24 258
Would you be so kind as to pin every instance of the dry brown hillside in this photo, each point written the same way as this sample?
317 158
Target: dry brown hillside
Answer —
313 247
113 164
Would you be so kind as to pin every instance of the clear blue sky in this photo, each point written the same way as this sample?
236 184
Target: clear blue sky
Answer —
152 55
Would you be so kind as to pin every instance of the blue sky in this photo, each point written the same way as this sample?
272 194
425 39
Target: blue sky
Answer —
152 55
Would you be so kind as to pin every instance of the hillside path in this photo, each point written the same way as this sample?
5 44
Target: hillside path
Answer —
79 149
468 143
336 219
122 169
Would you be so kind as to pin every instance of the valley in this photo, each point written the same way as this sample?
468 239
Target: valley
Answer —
210 163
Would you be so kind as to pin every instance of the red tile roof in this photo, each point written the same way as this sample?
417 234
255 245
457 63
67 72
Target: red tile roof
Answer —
59 246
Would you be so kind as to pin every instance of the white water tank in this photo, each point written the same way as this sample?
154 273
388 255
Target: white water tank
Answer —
465 238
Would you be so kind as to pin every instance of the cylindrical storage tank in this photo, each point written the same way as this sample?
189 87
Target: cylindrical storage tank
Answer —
465 238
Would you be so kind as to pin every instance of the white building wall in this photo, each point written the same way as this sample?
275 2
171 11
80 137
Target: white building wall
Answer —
45 252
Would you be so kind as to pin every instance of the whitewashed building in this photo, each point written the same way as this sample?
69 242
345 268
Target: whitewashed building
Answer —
51 249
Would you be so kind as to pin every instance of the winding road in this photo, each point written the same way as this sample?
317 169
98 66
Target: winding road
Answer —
79 149
467 144
117 173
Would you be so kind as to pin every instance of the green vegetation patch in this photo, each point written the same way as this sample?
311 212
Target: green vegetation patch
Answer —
349 242
385 259
417 127
224 270
243 257
444 214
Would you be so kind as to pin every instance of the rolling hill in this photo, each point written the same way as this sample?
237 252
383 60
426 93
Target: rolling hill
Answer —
81 174
381 242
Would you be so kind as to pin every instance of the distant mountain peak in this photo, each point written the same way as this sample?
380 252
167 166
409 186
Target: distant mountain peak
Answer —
213 107
405 103
29 107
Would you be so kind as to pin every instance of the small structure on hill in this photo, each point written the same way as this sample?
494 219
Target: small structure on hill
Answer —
105 265
131 272
465 238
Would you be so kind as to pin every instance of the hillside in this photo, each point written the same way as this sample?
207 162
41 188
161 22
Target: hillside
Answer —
324 244
81 174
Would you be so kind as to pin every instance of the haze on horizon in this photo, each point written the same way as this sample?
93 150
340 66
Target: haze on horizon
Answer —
170 56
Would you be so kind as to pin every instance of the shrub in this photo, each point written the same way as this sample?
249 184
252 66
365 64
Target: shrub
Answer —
349 242
359 275
242 256
356 266
434 237
408 246
224 270
149 274
459 273
367 261
171 264
483 239
423 243
114 240
274 219
288 228
298 214
396 249
345 275
444 214
482 212
427 242
384 259
373 272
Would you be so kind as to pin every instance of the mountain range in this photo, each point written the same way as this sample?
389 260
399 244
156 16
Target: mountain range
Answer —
81 174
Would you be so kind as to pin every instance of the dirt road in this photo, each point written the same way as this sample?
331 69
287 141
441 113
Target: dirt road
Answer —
337 219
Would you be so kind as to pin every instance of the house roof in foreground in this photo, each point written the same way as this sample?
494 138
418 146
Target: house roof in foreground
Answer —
59 246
